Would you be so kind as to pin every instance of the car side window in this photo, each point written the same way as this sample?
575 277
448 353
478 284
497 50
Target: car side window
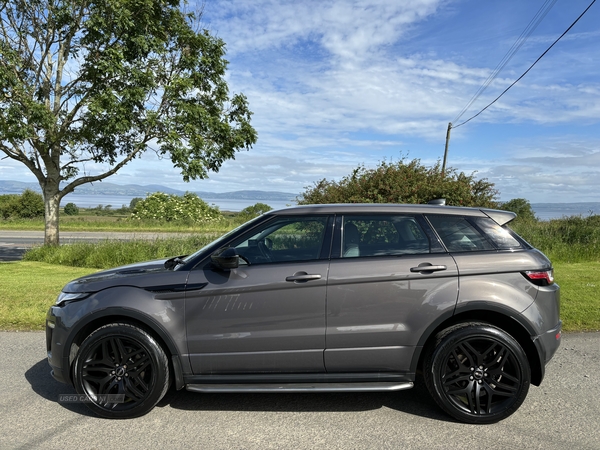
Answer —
382 235
287 239
458 235
502 237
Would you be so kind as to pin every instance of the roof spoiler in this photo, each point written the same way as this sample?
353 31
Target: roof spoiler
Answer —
498 216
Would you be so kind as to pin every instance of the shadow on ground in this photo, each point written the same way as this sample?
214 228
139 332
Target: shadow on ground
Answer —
8 253
415 401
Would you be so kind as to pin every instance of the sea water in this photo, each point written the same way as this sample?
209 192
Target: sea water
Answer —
544 211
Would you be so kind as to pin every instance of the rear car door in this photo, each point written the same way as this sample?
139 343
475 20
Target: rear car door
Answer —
390 280
267 315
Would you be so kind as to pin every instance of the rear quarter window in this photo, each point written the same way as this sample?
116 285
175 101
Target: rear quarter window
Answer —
500 236
458 234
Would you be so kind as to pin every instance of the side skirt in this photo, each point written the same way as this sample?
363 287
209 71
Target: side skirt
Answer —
377 386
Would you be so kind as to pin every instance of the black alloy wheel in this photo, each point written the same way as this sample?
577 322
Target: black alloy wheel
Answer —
122 370
477 373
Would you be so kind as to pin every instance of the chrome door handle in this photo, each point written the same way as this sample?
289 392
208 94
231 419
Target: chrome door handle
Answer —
426 267
303 276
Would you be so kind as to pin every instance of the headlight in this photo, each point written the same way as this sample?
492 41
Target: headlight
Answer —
65 297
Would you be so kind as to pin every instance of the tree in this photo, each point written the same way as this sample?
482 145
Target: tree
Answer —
71 209
134 201
403 182
521 207
104 81
252 211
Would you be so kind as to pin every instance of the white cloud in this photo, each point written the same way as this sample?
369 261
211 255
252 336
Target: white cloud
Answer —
337 83
347 29
549 170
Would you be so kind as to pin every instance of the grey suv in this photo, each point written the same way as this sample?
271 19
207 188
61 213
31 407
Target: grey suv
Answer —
320 298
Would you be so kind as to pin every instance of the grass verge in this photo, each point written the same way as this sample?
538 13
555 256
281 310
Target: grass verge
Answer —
30 288
109 253
120 224
579 295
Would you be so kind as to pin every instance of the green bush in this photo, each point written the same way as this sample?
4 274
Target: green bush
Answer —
134 201
31 204
521 207
569 239
28 205
173 208
403 182
8 205
250 212
71 209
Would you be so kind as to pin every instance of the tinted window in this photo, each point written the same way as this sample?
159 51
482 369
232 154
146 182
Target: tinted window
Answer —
458 234
382 235
285 239
498 235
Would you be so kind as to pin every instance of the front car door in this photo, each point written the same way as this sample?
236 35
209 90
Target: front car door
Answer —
267 315
391 279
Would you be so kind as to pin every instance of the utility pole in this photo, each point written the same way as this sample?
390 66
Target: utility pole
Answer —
446 149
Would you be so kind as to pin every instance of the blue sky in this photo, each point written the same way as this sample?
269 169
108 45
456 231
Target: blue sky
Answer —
334 84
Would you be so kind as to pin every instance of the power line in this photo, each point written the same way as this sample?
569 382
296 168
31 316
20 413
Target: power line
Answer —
531 26
530 67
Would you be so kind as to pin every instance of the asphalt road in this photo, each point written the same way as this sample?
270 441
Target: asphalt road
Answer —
562 414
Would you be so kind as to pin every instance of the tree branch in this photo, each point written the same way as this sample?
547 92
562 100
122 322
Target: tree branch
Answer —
15 152
90 179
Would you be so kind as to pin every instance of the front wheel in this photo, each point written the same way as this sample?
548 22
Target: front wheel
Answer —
122 371
477 373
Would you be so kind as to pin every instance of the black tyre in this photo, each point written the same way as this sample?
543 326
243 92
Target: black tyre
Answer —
122 370
477 373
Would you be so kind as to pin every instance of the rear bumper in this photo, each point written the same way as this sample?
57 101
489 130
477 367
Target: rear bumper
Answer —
549 342
546 345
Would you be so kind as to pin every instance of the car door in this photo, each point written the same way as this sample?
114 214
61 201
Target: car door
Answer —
268 314
390 281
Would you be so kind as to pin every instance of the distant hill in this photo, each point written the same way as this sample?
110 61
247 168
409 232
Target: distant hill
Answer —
135 190
249 195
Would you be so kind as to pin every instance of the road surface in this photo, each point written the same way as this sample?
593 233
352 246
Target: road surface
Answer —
561 414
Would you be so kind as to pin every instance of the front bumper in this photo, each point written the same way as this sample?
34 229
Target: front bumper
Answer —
58 358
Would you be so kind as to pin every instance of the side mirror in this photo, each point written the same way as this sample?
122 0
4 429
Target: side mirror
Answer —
226 258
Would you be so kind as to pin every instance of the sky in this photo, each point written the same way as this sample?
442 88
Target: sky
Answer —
338 83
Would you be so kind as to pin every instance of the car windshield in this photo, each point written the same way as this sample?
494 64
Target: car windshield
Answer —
218 240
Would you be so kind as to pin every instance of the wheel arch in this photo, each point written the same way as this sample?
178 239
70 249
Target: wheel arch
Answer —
122 315
504 318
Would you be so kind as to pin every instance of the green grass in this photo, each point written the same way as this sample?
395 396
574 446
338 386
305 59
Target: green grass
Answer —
580 295
570 239
28 289
109 253
119 224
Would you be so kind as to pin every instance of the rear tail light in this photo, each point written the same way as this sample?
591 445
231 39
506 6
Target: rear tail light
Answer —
540 277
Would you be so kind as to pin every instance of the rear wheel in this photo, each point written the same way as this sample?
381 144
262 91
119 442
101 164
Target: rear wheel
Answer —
122 370
477 373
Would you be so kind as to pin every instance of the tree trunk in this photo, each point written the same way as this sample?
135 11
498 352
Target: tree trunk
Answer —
51 206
